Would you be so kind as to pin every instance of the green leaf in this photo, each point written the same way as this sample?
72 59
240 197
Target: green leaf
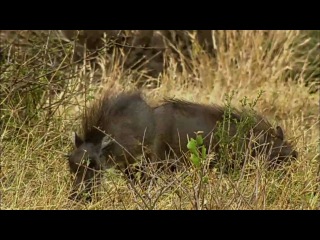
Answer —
199 140
204 152
195 160
192 144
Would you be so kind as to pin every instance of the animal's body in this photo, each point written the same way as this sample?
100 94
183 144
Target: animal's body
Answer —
116 130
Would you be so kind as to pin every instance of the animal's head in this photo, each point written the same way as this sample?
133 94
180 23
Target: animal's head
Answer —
278 150
85 162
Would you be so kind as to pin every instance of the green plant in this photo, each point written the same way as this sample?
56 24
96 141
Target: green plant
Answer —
197 149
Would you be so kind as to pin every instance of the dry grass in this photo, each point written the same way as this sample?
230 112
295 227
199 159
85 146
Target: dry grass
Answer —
34 172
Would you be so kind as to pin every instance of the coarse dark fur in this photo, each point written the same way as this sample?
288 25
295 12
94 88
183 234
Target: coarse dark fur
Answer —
115 130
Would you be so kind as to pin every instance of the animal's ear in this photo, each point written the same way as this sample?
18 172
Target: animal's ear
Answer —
279 132
106 142
76 140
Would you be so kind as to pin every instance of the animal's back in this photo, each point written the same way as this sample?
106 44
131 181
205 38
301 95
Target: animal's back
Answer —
177 120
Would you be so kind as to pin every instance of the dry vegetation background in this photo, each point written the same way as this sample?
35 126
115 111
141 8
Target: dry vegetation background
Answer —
42 93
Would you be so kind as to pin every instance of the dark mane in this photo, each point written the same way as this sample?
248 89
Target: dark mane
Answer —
183 105
97 115
187 106
260 123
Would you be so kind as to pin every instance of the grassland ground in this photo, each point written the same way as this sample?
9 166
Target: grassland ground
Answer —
41 100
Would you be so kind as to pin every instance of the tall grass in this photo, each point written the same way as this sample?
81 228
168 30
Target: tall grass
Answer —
42 94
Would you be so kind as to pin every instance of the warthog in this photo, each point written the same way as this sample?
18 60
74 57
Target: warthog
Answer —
115 131
183 119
